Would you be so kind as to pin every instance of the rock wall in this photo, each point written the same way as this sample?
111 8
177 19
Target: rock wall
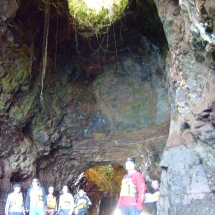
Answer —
89 108
187 181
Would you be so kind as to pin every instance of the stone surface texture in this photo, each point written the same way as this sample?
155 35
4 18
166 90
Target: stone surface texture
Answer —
96 105
187 180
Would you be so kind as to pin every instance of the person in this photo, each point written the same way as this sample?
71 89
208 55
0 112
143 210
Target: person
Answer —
133 189
36 201
15 204
82 203
66 202
155 195
51 202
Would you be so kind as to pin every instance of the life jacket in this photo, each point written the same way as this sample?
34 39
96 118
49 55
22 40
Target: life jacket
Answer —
82 204
51 202
156 194
36 195
127 187
65 201
17 200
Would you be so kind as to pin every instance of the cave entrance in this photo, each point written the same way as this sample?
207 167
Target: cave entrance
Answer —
102 185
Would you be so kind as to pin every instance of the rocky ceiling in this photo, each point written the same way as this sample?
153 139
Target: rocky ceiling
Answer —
144 89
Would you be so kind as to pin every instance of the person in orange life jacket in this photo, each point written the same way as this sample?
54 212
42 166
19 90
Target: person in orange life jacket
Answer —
82 203
36 201
14 204
133 189
66 202
51 202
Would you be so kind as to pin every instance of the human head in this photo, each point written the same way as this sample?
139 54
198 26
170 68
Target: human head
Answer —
81 192
51 190
16 188
130 164
35 182
65 189
155 184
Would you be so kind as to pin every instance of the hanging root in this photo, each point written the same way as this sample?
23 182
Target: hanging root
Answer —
76 40
56 35
115 43
31 57
45 45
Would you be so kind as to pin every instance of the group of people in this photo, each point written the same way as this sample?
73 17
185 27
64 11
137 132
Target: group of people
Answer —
131 200
38 203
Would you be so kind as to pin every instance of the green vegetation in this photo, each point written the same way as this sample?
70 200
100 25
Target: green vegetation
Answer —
107 178
94 17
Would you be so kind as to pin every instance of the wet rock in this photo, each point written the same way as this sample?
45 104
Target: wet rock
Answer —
198 44
199 58
210 60
210 48
194 31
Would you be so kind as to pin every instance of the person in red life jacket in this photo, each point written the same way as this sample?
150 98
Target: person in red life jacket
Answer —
133 189
51 202
15 204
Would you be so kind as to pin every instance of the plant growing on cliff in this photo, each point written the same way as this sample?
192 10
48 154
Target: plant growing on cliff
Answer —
90 17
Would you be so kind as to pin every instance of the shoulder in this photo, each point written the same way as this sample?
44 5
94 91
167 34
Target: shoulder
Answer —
10 195
132 175
138 177
69 195
138 174
43 189
29 189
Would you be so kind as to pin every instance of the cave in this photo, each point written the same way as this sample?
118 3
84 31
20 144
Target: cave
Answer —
82 89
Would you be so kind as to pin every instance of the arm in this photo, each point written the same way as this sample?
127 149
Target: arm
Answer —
44 197
155 196
27 200
120 198
119 201
23 208
7 205
139 182
59 204
88 200
55 203
71 203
